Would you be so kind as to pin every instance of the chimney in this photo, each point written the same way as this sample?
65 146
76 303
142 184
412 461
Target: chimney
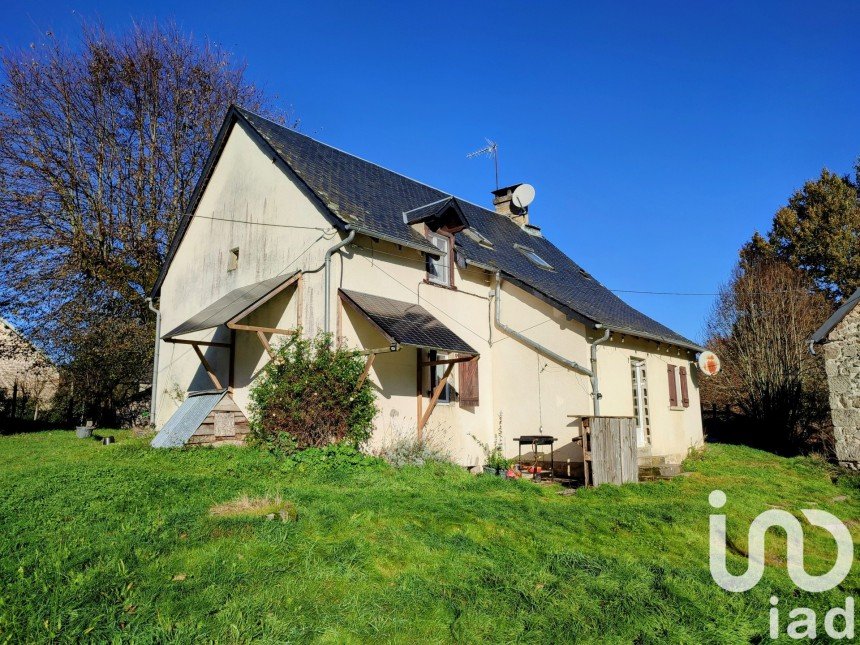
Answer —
503 200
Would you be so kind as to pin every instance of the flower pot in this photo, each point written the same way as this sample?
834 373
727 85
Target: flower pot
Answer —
83 432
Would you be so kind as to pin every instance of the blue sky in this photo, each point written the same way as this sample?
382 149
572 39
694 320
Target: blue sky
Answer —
658 136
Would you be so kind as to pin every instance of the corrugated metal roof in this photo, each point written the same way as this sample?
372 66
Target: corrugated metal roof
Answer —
225 309
407 323
824 331
185 421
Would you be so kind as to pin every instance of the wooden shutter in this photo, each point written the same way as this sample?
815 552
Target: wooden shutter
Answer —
673 389
468 383
685 395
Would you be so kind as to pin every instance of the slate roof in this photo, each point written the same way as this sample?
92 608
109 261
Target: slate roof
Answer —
407 323
229 306
373 200
823 332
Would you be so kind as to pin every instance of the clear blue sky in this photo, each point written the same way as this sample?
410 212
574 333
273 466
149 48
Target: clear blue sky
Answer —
659 136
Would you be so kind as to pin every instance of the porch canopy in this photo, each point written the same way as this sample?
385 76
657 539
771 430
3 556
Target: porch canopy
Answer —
231 308
411 325
406 323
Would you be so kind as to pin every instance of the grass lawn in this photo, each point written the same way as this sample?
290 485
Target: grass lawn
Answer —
118 543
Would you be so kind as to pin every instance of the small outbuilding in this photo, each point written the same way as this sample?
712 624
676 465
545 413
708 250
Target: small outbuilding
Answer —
839 338
210 417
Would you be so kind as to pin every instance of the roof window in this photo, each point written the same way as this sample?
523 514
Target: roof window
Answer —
475 236
537 260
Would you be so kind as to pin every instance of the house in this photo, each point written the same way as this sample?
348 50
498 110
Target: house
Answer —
472 320
28 379
839 337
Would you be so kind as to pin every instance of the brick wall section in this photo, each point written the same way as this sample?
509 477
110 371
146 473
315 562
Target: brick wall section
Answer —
842 363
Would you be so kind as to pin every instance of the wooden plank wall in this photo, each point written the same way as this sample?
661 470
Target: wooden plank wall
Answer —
612 455
224 425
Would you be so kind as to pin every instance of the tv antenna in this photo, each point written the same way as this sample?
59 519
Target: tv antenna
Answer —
490 150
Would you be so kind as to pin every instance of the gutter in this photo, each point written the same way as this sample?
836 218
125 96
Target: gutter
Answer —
349 238
152 403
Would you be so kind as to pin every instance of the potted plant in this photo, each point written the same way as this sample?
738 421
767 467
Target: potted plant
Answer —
495 462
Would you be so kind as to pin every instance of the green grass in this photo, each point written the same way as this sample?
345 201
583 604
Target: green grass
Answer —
117 543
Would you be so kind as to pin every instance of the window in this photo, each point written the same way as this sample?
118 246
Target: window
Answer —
476 236
233 259
640 402
439 269
678 386
534 257
436 374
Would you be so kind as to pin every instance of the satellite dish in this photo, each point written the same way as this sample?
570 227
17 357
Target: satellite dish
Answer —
524 194
709 363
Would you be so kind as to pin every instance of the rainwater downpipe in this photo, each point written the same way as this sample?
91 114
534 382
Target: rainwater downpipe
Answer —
152 402
595 385
349 238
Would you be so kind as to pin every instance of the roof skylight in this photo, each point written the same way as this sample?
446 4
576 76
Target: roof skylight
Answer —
537 260
475 236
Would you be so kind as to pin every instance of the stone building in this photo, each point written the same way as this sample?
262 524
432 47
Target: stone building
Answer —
26 374
839 340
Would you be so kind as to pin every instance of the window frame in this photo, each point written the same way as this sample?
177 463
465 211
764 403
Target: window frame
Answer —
641 402
233 259
448 280
531 255
446 396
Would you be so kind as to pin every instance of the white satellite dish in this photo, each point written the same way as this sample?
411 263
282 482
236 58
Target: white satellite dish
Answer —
524 194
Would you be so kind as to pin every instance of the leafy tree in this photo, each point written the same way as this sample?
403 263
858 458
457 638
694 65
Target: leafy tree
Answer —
818 232
760 328
100 148
309 395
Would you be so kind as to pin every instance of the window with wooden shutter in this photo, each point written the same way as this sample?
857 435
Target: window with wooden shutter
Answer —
685 395
673 389
468 382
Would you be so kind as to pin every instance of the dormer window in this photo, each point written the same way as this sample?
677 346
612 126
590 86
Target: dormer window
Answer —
439 270
535 259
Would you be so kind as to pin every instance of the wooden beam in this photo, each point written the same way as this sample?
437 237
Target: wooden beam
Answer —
205 343
368 364
300 300
207 367
436 394
258 328
420 381
231 376
449 361
265 344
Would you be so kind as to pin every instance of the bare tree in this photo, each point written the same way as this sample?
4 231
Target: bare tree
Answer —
760 328
100 148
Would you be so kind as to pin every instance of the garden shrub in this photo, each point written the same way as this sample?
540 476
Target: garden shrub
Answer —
307 397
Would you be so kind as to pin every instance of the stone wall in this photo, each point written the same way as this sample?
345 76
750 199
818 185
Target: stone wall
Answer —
23 369
842 363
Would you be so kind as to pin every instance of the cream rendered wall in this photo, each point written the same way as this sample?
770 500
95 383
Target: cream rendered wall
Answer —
254 204
289 230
